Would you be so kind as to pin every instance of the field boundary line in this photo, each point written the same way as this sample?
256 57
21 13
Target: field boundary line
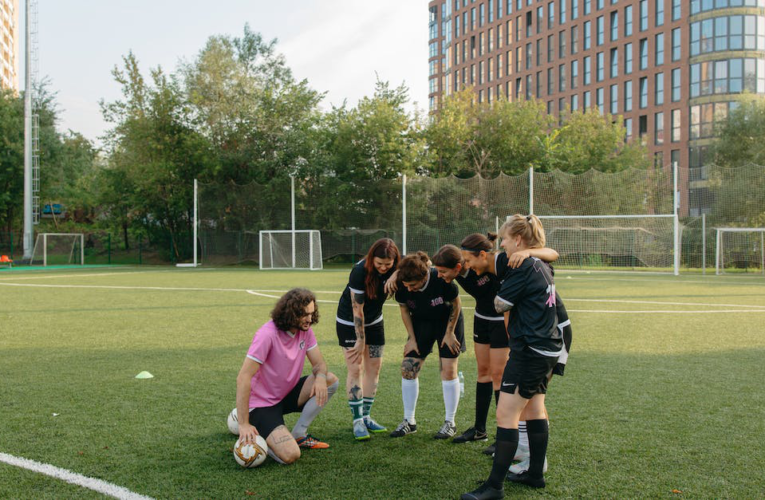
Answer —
78 275
90 483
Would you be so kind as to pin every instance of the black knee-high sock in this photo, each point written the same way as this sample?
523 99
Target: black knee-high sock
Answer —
482 404
538 436
507 442
496 397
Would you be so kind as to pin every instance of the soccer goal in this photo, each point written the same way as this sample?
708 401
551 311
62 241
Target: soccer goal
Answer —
615 242
58 249
740 248
299 249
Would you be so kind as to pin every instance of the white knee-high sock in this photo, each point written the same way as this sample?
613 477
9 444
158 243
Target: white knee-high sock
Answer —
451 389
410 390
310 411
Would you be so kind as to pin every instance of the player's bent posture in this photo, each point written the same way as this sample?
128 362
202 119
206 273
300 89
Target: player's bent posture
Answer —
490 338
269 385
498 264
361 333
431 312
535 345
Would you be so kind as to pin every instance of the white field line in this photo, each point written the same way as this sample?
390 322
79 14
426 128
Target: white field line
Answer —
266 295
77 275
98 485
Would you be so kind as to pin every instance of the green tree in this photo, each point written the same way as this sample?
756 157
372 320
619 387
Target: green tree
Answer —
11 159
740 138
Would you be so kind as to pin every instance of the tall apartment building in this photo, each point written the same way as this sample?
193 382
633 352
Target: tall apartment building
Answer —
672 68
9 44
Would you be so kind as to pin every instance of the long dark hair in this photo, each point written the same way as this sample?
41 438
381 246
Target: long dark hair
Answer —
384 248
291 307
448 256
414 267
476 242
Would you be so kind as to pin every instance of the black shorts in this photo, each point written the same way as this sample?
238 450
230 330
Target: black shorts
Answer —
528 371
490 332
346 334
428 332
567 337
268 418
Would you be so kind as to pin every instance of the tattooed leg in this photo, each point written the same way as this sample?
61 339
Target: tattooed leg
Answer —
372 366
283 445
410 368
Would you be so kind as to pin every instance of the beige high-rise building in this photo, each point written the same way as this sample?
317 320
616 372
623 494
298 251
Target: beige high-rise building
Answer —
9 44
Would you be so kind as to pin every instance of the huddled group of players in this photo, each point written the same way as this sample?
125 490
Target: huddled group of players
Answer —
521 337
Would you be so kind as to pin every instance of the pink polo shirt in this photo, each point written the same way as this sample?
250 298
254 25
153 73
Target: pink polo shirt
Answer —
281 356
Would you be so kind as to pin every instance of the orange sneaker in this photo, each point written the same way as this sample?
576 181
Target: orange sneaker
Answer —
311 443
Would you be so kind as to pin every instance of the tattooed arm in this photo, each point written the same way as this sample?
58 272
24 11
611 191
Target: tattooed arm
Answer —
502 306
356 353
450 339
411 343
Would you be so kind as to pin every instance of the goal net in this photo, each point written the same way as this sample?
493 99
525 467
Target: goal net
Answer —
299 249
740 249
617 242
52 249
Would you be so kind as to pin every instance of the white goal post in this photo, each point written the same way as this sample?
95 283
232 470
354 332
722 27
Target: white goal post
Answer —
738 240
59 248
615 240
286 249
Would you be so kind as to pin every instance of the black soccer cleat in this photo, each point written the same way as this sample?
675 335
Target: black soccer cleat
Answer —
489 450
403 429
525 478
484 492
471 434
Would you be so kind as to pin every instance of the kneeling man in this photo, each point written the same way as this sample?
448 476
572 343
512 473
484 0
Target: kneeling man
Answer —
270 385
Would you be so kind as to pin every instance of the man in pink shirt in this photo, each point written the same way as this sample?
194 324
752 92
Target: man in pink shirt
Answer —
270 385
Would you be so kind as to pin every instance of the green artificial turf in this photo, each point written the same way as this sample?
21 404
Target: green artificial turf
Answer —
653 404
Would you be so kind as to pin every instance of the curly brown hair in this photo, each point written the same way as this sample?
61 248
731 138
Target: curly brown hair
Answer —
291 308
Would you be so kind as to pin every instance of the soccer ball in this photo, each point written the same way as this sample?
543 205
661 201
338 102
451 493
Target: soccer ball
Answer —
233 422
250 455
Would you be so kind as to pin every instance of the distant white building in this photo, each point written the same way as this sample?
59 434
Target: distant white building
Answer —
9 44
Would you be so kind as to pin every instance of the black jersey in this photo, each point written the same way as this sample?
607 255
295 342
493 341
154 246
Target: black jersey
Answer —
432 302
483 289
356 284
530 290
501 265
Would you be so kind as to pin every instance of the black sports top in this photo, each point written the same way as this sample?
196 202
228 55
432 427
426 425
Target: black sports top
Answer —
432 302
372 307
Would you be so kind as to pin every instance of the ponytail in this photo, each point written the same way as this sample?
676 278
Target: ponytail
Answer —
529 227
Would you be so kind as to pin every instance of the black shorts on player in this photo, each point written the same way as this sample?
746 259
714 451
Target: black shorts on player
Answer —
528 372
268 418
426 333
490 332
346 334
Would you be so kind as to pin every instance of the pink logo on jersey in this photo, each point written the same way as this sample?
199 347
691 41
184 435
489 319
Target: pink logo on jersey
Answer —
551 298
437 301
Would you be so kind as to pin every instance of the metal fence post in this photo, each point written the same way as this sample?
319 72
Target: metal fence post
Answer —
109 247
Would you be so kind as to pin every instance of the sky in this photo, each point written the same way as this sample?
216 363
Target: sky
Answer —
340 46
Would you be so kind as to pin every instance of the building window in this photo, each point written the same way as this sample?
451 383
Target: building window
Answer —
614 25
676 12
490 78
574 101
704 117
518 88
551 15
491 40
529 24
574 74
659 89
480 73
628 21
482 44
658 159
519 59
587 70
562 78
562 44
550 48
643 88
600 4
518 28
491 16
483 14
600 28
600 66
643 15
659 48
614 63
563 11
587 7
676 85
539 51
561 105
730 76
628 59
587 35
728 33
539 84
628 96
574 10
698 6
529 86
675 118
614 99
642 126
628 129
540 18
644 53
587 100
659 12
599 95
528 56
550 82
574 39
676 44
